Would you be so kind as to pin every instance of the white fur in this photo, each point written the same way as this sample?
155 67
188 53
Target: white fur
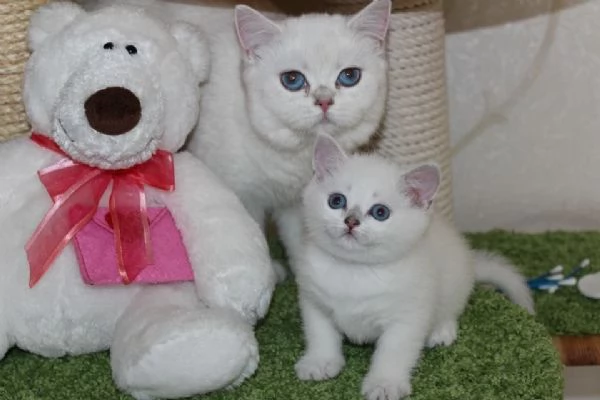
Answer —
166 341
495 270
258 136
81 66
402 283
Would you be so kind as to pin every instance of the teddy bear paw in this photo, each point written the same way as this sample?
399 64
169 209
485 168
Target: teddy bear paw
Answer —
250 368
207 351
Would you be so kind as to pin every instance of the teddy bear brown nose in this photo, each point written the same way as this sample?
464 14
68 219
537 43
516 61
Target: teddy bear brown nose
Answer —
113 111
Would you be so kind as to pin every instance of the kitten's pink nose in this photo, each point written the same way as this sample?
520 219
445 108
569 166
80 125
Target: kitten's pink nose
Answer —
351 222
324 103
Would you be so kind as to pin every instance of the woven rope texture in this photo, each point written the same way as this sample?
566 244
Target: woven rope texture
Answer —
14 18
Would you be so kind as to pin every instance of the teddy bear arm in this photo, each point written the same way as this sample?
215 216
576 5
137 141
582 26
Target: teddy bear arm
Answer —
227 249
20 160
24 157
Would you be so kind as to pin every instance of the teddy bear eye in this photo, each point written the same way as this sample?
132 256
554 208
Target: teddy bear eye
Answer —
109 46
131 49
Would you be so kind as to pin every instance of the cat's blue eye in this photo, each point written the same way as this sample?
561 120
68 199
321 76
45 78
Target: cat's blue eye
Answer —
293 80
349 77
337 201
380 212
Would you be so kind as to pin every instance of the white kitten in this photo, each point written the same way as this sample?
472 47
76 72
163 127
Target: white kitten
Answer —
379 266
277 85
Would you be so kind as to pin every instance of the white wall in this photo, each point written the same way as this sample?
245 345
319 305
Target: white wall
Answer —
524 91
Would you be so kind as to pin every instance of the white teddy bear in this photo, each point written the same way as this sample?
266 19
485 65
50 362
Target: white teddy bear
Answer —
93 215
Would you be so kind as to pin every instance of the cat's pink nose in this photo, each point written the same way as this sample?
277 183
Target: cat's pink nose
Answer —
324 103
351 222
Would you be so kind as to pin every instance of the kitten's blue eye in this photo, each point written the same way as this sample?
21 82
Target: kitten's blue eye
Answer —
379 212
337 201
293 80
349 77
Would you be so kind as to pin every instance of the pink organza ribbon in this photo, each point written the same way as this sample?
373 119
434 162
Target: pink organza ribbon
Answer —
76 190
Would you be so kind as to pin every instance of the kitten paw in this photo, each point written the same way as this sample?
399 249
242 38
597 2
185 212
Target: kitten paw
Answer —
318 368
280 271
443 335
385 388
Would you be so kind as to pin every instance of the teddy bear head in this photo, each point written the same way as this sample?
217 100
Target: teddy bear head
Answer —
112 86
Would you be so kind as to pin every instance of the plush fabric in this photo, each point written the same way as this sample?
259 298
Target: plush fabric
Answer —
169 340
95 249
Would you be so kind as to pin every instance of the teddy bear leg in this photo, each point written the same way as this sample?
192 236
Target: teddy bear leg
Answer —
4 342
168 345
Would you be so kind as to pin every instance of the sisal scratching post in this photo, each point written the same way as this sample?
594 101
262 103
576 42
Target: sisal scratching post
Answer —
415 128
14 19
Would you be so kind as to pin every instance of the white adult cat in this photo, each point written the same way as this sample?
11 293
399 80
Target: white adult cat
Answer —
275 87
380 266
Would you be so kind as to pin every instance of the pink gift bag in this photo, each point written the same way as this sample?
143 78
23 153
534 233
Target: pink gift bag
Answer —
96 252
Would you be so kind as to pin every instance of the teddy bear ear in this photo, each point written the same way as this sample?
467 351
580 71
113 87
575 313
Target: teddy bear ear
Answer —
51 19
194 46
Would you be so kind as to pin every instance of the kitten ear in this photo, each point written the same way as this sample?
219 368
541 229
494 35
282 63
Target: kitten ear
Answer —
253 29
422 184
328 156
373 20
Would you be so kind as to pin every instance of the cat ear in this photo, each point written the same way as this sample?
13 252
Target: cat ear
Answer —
422 184
253 29
373 20
328 156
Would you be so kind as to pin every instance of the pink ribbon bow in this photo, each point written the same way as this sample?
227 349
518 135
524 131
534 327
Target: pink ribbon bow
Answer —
76 190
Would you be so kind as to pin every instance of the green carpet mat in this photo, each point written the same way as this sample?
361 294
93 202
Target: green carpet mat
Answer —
501 353
566 312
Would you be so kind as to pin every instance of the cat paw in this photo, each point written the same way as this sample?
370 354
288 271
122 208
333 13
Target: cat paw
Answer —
385 388
318 368
443 335
280 271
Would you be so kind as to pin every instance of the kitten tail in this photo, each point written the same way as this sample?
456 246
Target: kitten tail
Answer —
495 270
